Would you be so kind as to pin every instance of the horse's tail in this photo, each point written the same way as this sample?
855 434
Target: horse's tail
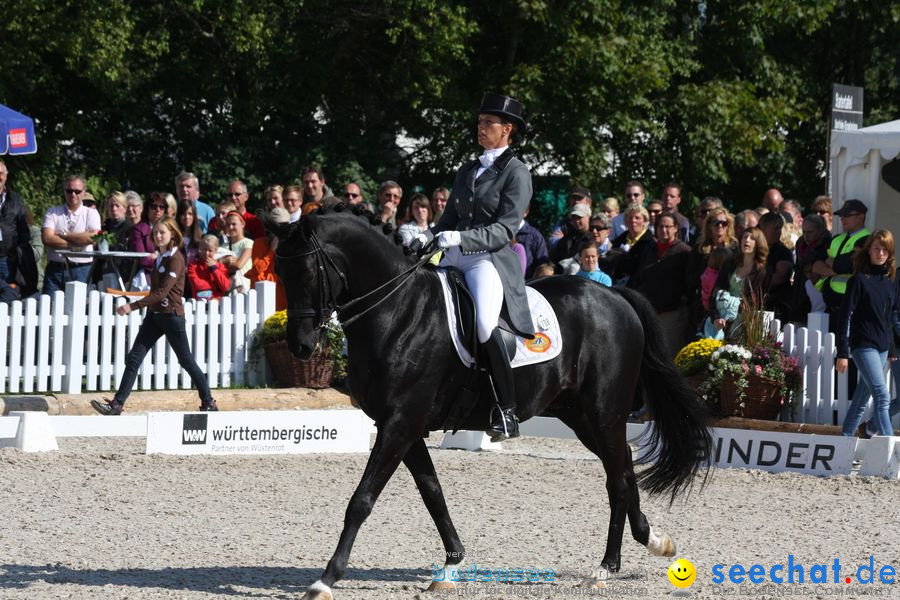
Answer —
680 442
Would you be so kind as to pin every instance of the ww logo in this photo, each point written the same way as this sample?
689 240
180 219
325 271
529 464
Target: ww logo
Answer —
193 430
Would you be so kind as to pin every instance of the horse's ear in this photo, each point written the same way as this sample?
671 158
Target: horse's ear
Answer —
278 222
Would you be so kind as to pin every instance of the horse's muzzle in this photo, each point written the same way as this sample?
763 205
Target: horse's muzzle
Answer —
301 351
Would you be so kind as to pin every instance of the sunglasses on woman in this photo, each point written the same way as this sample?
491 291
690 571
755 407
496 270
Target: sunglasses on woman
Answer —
720 223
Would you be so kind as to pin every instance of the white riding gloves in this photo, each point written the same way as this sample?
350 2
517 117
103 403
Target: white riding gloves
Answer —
448 239
418 242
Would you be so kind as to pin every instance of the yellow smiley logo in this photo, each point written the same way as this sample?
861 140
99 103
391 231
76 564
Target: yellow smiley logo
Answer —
682 573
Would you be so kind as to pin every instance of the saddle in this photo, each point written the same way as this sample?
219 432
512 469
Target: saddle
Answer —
464 306
477 388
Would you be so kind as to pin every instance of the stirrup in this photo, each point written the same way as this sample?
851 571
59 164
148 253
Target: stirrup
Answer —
504 424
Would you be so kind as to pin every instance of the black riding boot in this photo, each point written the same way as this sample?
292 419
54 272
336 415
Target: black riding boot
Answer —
503 416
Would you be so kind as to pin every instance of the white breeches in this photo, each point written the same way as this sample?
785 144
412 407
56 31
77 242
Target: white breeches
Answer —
484 283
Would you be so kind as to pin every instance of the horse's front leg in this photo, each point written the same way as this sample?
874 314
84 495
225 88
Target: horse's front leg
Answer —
391 444
418 461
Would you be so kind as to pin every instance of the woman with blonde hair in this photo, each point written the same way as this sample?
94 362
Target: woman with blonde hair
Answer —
116 223
637 243
865 329
274 197
717 232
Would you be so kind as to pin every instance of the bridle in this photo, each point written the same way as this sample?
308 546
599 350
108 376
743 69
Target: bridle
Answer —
327 293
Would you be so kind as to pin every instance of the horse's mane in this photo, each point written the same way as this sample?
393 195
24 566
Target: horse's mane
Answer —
341 211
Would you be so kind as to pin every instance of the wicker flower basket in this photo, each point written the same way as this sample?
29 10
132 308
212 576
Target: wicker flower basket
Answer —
290 371
696 379
762 399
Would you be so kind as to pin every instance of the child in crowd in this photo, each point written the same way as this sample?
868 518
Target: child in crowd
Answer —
242 248
208 278
543 270
717 258
589 259
218 225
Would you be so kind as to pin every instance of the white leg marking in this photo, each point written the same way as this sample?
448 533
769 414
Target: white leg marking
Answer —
660 546
446 578
319 590
654 544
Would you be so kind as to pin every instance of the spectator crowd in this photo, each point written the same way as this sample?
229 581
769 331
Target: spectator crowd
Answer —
695 269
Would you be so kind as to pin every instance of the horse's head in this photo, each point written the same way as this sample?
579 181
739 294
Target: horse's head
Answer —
324 260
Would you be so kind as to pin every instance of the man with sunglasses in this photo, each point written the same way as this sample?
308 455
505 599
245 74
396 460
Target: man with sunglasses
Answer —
837 269
352 194
69 226
635 193
237 193
577 233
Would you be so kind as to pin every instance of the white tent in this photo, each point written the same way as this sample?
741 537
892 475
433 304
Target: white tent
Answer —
857 160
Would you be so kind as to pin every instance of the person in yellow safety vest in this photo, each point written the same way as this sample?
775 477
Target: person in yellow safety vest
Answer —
837 269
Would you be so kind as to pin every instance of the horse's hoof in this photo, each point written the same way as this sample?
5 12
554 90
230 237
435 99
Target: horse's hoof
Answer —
441 586
592 584
661 546
318 591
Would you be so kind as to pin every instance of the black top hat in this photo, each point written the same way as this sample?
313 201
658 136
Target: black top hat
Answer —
503 106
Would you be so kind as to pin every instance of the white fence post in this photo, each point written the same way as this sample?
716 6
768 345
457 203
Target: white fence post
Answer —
15 347
75 300
32 327
265 309
45 324
94 332
4 355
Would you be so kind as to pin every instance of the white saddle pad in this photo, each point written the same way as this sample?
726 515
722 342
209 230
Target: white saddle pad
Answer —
547 342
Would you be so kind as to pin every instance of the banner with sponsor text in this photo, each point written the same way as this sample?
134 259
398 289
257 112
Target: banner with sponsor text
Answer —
258 432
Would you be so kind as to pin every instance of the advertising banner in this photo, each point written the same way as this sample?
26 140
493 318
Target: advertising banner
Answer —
777 452
258 432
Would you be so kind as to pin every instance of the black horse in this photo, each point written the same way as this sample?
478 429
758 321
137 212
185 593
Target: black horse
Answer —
405 374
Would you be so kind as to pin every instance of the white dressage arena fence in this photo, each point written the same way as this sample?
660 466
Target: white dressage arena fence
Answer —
825 399
74 341
316 431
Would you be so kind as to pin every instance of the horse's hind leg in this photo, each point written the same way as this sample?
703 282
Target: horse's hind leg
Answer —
391 444
613 456
624 498
640 527
418 461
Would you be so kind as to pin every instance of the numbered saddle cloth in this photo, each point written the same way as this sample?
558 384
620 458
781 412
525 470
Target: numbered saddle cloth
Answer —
547 342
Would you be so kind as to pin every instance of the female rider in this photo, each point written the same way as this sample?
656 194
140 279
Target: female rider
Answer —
489 199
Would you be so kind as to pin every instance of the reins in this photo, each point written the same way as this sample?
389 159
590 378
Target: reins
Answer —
328 298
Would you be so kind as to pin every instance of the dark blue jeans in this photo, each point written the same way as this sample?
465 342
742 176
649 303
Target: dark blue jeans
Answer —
56 277
154 326
6 272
